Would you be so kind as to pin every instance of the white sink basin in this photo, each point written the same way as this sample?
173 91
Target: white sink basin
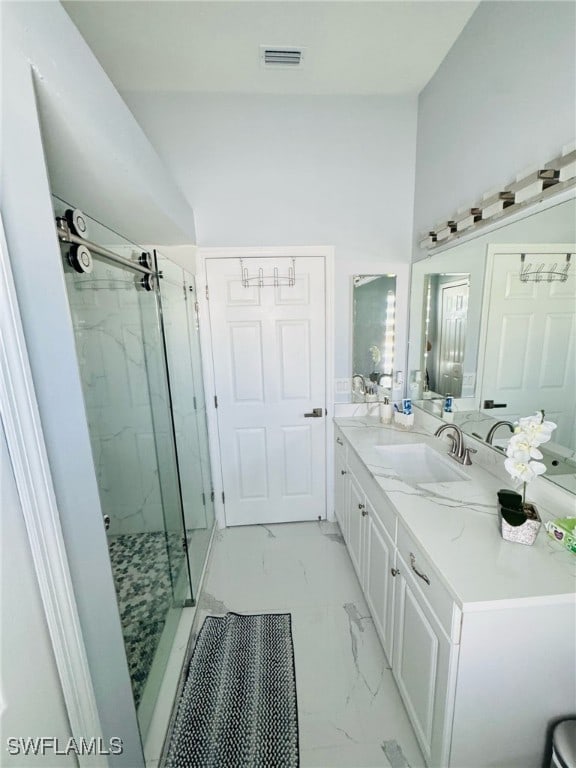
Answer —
417 463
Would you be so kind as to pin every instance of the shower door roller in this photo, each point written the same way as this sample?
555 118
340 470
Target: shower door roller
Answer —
145 260
106 519
77 222
148 282
80 258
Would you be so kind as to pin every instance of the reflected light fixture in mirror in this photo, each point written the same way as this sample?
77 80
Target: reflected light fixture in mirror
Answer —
374 334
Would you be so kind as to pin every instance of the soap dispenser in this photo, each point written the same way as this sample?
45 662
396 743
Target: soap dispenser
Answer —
386 411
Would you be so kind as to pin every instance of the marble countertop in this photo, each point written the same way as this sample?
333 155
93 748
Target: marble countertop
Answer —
456 525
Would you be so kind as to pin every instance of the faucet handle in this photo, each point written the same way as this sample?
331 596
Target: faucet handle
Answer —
467 460
454 449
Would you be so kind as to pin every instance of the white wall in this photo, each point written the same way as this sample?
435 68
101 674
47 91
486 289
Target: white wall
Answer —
294 170
104 155
31 702
502 100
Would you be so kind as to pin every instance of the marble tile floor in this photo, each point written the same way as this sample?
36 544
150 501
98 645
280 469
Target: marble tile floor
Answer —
350 711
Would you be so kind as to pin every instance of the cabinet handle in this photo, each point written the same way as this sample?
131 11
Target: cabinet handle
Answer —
416 571
342 471
360 506
394 571
339 441
364 512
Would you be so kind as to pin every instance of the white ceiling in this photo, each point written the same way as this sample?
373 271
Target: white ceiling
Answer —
351 47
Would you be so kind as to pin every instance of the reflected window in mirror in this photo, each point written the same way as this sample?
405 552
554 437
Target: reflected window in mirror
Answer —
374 334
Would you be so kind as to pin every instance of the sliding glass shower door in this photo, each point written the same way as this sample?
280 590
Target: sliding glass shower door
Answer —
122 360
179 317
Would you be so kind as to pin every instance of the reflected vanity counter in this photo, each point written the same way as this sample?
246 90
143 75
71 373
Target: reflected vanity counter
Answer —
560 460
479 632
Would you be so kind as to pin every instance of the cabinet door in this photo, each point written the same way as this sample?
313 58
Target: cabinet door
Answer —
423 661
356 506
379 583
341 486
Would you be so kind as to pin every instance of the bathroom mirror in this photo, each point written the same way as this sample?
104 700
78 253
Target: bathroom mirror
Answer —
374 333
516 359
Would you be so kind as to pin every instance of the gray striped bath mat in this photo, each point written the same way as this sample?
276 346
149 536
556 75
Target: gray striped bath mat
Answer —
238 705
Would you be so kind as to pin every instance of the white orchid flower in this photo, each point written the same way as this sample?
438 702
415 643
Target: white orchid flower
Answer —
524 471
522 448
539 430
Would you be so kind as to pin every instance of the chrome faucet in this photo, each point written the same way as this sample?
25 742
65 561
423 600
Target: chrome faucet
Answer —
458 452
362 388
494 427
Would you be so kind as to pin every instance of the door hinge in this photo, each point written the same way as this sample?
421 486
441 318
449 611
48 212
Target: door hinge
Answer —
184 543
223 498
212 495
185 292
203 498
194 401
215 401
196 307
206 293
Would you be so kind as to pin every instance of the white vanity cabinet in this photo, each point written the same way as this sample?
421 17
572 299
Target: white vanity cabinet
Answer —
379 567
481 680
424 662
416 642
355 540
341 484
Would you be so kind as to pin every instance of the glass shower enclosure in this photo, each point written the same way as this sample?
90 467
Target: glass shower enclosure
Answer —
138 354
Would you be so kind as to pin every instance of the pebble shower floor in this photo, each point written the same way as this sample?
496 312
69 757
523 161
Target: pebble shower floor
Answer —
142 578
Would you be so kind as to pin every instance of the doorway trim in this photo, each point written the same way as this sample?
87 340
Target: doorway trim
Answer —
29 458
203 255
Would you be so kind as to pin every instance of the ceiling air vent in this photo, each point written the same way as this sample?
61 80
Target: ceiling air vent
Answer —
281 56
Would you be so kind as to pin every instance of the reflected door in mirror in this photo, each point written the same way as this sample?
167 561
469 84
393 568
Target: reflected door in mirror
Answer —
530 346
445 325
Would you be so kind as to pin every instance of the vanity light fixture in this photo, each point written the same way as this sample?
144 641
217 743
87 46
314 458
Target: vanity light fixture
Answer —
492 205
528 187
389 332
565 165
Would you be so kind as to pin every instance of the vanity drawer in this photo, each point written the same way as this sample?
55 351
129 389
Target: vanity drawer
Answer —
435 593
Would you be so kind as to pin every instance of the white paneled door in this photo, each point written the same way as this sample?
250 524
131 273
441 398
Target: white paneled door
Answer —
268 347
530 344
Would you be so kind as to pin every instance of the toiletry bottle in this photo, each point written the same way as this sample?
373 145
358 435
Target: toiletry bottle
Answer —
386 411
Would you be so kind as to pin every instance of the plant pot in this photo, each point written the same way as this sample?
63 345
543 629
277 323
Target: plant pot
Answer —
526 532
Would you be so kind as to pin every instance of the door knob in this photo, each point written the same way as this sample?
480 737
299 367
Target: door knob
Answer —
316 414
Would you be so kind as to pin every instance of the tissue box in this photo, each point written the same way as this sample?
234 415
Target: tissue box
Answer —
563 530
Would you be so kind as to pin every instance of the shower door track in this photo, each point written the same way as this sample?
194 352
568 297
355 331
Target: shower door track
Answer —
66 236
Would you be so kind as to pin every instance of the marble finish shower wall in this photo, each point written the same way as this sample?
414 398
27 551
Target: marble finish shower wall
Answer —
110 326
